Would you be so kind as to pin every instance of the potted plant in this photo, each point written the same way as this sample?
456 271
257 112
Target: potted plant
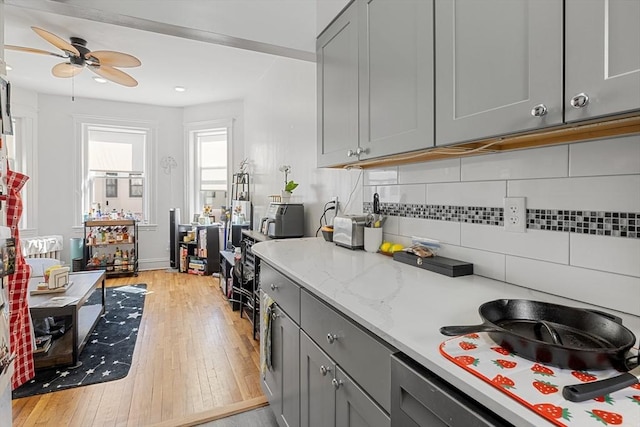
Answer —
289 185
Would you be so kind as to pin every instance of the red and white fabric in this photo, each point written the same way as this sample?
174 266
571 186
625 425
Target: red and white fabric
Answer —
21 340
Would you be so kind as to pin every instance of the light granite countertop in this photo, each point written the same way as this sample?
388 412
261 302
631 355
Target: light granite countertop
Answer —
406 306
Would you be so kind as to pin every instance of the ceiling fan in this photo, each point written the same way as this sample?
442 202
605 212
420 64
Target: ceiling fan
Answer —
77 56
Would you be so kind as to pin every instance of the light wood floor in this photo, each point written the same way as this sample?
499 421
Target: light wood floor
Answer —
193 354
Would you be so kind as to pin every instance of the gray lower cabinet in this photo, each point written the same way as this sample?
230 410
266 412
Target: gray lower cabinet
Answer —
498 67
602 64
281 383
375 81
329 397
421 399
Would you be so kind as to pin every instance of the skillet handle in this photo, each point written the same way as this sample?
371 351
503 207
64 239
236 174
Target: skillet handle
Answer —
609 316
586 391
463 330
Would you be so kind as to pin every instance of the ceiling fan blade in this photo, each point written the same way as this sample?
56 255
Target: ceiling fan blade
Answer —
56 41
32 50
65 70
114 75
114 59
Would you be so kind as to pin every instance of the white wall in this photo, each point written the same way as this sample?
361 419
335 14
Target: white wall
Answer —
591 179
54 177
280 118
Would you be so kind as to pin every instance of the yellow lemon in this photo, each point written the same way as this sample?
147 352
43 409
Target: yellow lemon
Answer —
385 246
396 248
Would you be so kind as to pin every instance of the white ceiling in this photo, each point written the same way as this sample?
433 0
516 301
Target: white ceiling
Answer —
178 42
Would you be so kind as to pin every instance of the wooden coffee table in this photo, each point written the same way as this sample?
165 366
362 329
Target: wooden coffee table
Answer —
65 350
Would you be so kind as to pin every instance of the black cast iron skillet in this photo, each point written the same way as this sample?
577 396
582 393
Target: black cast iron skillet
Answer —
552 334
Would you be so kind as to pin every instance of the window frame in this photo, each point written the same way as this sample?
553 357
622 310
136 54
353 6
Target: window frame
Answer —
26 162
83 178
191 131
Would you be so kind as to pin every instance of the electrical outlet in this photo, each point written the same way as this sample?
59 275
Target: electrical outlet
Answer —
334 199
515 214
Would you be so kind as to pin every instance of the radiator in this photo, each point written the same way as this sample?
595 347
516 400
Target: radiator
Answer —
42 247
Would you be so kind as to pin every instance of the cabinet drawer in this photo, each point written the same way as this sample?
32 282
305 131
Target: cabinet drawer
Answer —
366 359
421 399
282 290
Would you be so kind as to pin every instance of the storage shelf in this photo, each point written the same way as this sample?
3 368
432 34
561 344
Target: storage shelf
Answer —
107 248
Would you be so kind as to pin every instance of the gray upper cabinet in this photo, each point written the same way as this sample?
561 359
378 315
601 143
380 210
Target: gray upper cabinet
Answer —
375 81
396 76
337 77
498 67
603 58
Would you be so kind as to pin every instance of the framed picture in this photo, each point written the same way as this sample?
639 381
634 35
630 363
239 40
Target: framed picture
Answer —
111 187
135 186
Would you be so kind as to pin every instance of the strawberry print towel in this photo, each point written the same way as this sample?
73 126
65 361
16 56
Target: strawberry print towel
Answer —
539 387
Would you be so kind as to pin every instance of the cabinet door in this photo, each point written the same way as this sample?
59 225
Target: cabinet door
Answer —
603 57
337 76
282 382
317 395
396 76
496 60
354 408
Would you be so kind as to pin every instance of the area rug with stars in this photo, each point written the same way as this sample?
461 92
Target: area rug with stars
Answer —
108 353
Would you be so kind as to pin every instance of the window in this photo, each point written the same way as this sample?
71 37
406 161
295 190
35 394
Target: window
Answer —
115 159
111 185
208 166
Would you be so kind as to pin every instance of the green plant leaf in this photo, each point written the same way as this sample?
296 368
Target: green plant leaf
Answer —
291 185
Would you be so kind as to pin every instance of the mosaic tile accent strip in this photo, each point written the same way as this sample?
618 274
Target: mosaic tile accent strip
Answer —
599 223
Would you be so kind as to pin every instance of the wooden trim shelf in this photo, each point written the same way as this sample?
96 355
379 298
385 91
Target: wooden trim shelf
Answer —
574 132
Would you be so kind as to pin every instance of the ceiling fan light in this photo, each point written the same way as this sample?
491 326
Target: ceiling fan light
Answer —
179 89
99 79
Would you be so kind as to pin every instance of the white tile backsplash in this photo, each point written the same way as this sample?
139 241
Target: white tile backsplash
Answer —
387 193
606 193
597 176
485 263
444 231
381 176
606 290
537 244
484 193
548 162
613 254
615 156
437 171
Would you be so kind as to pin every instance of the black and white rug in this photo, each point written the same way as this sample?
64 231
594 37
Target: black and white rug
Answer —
107 356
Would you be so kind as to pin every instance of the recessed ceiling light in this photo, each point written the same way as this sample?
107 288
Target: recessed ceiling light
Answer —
179 89
8 67
99 79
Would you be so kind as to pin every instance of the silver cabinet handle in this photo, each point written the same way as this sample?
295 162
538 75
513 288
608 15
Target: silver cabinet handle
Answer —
324 370
336 383
580 100
539 110
361 150
274 316
350 153
273 287
331 338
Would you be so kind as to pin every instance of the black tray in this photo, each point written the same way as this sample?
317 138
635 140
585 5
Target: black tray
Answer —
438 264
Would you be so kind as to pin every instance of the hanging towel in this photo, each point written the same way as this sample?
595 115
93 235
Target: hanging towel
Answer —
21 337
267 305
